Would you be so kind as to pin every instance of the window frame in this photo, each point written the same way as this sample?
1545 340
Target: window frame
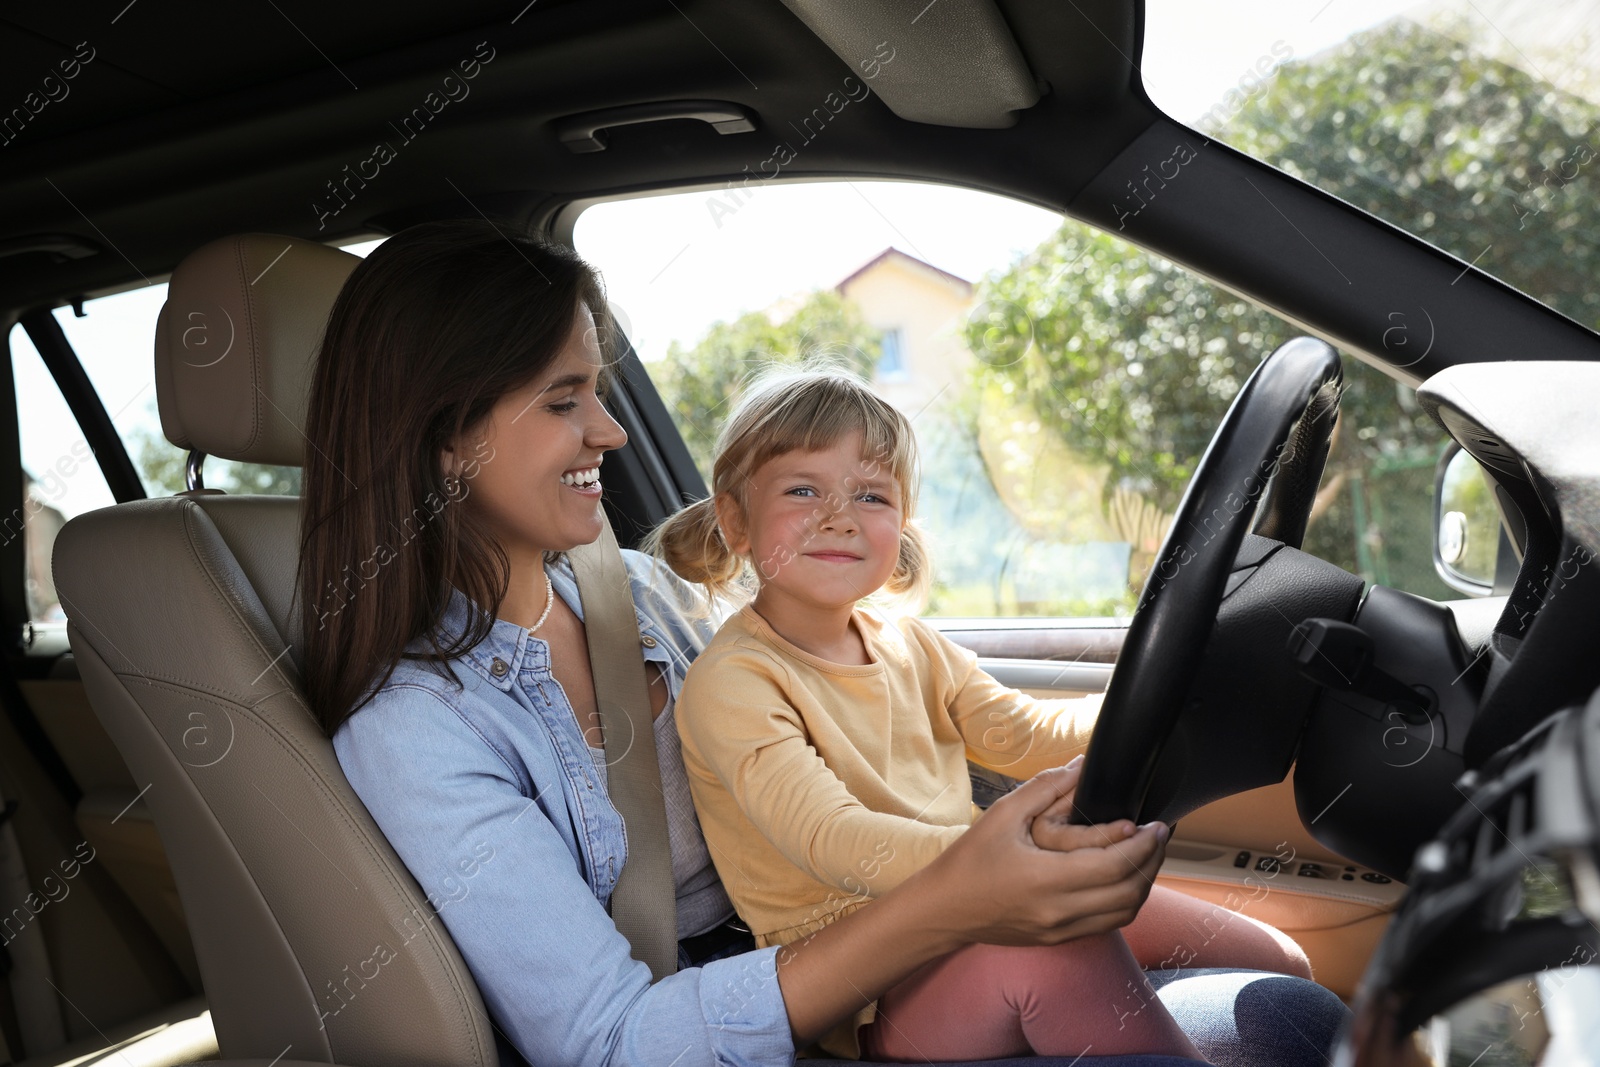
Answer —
66 369
47 640
899 372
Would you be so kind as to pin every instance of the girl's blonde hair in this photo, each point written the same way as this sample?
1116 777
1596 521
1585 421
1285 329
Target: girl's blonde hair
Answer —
789 409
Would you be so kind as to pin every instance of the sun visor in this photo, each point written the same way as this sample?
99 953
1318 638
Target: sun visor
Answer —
944 62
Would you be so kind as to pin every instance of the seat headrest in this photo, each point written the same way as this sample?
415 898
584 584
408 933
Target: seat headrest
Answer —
236 342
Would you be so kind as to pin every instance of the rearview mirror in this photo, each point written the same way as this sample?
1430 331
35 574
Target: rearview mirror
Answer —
1467 529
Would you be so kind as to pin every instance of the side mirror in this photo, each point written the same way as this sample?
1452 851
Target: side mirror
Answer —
1469 542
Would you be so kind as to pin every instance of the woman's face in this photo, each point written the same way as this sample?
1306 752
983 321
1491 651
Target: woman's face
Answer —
533 472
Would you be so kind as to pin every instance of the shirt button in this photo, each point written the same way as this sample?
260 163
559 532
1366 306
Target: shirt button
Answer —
498 667
647 641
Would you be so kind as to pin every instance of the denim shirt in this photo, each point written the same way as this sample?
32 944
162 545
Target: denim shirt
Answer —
490 797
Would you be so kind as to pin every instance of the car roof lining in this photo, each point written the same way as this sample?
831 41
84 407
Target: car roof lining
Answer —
964 68
150 186
156 183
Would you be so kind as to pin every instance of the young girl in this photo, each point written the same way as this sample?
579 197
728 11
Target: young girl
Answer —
827 745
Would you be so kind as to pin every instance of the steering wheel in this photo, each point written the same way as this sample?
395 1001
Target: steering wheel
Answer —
1276 431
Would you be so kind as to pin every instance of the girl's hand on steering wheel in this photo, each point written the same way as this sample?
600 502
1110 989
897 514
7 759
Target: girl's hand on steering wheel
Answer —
995 884
1053 829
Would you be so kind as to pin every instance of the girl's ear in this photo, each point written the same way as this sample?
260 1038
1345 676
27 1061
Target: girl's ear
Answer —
730 520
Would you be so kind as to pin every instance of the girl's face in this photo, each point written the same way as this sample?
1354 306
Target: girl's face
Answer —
533 473
821 528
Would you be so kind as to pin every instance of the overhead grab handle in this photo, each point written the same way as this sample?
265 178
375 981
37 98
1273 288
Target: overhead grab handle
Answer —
63 246
585 132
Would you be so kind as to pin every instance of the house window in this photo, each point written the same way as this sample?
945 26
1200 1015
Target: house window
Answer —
892 361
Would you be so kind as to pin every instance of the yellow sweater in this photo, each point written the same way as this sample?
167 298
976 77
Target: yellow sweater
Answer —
821 785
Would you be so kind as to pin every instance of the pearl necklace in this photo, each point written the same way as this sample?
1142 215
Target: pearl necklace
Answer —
549 602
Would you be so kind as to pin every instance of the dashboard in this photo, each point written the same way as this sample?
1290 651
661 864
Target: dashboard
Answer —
1376 778
1533 428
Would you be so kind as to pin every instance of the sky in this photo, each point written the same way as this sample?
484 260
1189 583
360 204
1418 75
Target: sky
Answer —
674 264
1195 52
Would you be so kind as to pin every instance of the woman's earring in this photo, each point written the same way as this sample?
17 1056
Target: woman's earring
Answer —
452 485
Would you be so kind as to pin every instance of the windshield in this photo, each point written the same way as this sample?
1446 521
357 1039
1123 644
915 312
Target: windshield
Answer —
1473 124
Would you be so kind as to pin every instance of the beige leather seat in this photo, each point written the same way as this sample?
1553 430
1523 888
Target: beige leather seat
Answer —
179 619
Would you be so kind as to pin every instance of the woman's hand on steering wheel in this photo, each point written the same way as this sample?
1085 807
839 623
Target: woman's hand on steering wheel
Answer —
1054 829
1003 888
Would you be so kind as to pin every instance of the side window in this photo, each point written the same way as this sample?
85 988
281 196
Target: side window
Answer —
1062 383
60 476
115 341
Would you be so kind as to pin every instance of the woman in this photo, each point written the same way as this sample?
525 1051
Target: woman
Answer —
457 437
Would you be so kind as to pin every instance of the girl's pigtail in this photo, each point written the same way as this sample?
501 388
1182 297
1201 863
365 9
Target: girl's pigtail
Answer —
691 543
912 577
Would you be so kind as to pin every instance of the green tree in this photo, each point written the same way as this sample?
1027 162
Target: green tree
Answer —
698 381
161 464
1130 359
1475 156
1134 361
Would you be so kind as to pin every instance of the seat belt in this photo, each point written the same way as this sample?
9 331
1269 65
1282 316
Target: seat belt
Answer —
644 903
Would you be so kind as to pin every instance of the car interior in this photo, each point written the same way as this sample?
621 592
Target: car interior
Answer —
186 875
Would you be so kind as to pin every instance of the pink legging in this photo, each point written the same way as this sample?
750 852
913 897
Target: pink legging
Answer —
1087 996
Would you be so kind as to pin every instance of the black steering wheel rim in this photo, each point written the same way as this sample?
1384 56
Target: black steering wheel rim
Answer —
1276 431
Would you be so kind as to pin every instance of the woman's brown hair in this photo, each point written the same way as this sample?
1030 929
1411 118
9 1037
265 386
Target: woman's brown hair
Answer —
437 324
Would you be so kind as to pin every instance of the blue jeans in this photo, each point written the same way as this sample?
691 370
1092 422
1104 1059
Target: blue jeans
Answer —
1250 1018
1235 1019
